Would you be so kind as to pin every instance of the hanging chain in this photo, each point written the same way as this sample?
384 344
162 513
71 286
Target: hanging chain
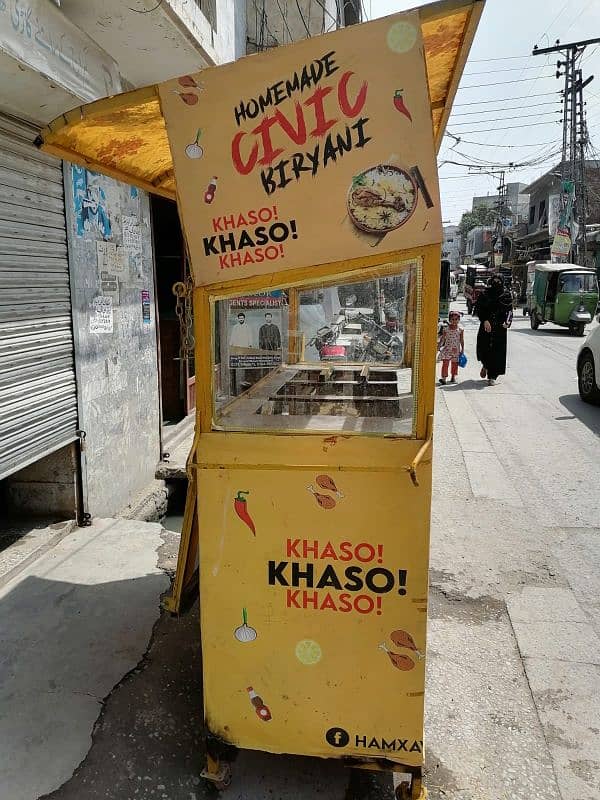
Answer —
184 291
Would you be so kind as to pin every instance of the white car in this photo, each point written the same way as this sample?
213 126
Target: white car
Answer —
588 367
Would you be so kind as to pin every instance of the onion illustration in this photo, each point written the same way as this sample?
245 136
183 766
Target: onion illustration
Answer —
194 150
245 633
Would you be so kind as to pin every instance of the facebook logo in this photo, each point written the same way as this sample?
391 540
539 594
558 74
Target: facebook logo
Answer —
337 737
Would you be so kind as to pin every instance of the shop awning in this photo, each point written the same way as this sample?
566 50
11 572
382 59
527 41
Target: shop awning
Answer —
125 136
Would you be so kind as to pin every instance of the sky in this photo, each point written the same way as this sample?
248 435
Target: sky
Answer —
521 124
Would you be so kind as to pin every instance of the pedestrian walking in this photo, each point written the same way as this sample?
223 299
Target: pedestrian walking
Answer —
495 312
451 345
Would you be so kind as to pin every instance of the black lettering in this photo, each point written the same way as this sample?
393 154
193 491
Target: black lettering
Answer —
417 747
245 241
374 743
344 145
266 177
292 85
209 246
297 165
265 100
278 93
227 242
402 744
276 573
279 237
354 582
240 114
361 741
359 128
385 745
302 575
305 79
329 151
329 579
375 572
252 108
329 63
314 160
261 235
316 71
283 181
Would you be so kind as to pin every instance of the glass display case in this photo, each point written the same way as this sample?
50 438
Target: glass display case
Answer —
328 357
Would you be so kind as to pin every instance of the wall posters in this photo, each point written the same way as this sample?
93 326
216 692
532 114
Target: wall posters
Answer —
326 154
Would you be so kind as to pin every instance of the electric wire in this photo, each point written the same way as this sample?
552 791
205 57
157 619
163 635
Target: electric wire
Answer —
501 83
503 99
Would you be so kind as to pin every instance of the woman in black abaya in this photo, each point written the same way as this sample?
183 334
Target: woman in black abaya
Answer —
494 309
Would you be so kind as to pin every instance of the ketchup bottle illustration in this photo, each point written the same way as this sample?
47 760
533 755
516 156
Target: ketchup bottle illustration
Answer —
261 709
399 104
209 194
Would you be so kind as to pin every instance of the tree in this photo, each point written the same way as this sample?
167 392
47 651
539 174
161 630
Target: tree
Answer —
481 215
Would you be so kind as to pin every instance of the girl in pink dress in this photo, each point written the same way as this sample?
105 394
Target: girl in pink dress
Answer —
451 344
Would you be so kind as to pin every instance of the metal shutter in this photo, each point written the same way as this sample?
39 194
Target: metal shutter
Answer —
38 403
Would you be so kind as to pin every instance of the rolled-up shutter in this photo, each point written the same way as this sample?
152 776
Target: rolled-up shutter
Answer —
38 404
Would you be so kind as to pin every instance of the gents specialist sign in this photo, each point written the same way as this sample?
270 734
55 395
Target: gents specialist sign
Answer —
308 154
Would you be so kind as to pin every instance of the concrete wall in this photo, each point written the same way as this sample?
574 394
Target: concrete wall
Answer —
47 488
286 22
115 352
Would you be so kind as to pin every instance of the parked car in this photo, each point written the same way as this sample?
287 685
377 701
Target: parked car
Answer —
588 367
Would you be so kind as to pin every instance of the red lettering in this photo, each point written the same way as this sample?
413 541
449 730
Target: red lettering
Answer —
310 549
291 600
345 603
243 167
252 218
292 548
316 100
310 599
346 551
329 552
370 552
228 222
351 109
217 224
328 603
298 134
264 129
224 262
364 604
241 220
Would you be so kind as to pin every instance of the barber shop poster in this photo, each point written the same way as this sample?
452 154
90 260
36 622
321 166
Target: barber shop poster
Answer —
255 330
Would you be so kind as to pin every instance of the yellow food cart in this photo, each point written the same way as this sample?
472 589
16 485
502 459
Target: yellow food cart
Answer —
307 187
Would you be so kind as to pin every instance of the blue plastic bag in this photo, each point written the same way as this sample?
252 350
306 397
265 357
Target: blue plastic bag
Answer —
462 360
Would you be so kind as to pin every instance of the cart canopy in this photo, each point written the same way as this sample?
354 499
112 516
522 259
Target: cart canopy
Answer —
125 136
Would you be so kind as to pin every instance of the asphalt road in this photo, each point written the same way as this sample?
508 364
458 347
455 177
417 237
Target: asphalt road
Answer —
513 709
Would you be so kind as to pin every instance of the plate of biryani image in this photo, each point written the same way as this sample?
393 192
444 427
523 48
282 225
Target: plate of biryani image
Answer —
382 198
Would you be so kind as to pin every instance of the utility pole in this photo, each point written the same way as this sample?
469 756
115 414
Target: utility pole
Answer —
574 141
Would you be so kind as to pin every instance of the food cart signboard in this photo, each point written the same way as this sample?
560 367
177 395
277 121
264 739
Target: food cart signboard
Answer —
313 153
314 601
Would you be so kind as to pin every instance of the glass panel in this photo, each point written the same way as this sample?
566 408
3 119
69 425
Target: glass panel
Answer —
573 282
326 358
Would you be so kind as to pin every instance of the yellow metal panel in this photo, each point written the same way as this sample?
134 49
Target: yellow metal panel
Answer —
337 655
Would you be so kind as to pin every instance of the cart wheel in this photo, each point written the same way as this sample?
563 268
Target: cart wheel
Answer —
226 779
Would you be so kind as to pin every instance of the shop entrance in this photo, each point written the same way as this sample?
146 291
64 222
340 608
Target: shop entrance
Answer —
177 372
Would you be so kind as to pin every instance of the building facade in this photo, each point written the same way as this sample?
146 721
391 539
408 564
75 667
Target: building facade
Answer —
451 245
93 376
81 418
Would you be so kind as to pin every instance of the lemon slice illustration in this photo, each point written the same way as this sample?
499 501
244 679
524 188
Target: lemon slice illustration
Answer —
308 652
401 37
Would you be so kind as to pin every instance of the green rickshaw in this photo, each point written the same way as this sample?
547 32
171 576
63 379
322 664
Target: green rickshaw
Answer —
564 294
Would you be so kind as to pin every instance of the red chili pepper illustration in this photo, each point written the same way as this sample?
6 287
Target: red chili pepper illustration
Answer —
241 509
399 103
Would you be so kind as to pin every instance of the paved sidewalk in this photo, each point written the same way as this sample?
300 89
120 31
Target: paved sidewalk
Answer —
73 624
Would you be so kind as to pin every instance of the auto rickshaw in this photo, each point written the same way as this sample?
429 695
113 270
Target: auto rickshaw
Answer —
475 284
564 294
